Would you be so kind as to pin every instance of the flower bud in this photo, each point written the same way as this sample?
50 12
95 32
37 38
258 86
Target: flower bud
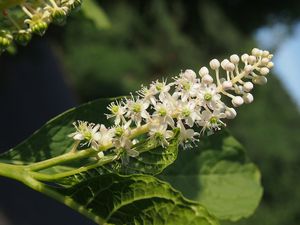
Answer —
227 85
5 42
270 65
229 67
203 71
244 57
234 59
248 98
58 16
248 86
224 62
251 59
230 113
260 80
207 79
248 69
265 53
39 27
264 61
22 37
256 52
237 101
214 64
264 71
75 5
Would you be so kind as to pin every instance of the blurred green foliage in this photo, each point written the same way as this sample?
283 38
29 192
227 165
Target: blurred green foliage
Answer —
151 39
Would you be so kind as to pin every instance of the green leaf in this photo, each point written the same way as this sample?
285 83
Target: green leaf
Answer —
94 12
218 174
135 199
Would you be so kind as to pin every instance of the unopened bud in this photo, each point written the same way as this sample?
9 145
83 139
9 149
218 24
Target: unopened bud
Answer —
227 85
22 37
39 27
248 86
260 80
248 98
264 71
230 113
214 64
234 59
207 79
237 101
203 71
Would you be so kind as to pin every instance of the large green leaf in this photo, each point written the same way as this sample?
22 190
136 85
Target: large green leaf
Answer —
218 175
135 199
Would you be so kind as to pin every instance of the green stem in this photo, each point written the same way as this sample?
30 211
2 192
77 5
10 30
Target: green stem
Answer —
15 172
53 177
70 156
22 174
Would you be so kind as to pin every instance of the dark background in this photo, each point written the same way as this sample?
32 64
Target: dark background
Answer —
148 40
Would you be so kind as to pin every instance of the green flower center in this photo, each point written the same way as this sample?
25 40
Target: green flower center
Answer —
213 120
115 109
186 112
159 86
119 131
137 108
207 96
162 112
186 86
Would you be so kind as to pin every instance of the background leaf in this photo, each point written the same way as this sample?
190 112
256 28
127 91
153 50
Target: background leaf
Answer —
94 12
219 176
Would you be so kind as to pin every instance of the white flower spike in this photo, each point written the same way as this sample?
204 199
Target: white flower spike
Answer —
187 102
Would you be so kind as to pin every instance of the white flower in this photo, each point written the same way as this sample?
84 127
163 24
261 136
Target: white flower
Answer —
105 136
148 94
117 111
187 85
211 121
164 112
137 110
121 139
186 135
160 133
189 112
162 88
209 96
86 131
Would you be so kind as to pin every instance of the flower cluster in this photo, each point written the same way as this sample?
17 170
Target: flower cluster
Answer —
189 102
20 19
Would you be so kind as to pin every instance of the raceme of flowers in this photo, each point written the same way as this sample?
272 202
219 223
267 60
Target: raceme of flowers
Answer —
21 18
189 102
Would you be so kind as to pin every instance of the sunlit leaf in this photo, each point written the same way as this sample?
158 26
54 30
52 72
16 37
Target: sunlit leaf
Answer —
218 175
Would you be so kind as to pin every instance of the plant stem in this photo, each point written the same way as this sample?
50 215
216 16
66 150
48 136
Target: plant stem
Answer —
15 172
53 177
70 156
